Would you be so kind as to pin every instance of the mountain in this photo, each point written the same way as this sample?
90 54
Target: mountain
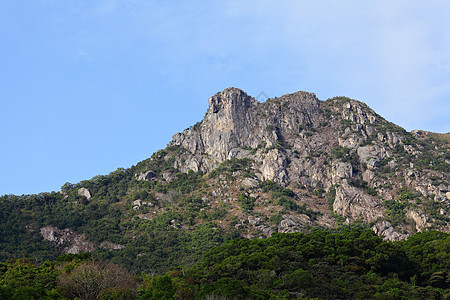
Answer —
337 150
248 169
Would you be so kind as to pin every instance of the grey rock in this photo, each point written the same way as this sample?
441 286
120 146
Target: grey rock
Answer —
341 170
419 218
291 224
84 192
168 176
250 183
111 246
353 202
70 241
385 230
254 220
147 176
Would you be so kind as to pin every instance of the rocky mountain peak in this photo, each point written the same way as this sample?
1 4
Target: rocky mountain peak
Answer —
339 147
230 101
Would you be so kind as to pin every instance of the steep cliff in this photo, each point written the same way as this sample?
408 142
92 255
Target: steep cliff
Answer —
369 168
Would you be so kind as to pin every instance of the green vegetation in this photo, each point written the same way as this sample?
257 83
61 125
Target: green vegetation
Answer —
233 165
174 227
360 183
429 159
285 197
247 202
351 263
345 155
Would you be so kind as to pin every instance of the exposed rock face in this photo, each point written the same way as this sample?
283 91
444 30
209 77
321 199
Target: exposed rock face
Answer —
419 218
352 202
111 246
71 242
341 170
250 183
84 192
339 148
168 176
233 122
147 176
385 229
291 224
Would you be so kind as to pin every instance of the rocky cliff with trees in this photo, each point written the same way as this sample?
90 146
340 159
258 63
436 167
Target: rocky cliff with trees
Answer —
247 170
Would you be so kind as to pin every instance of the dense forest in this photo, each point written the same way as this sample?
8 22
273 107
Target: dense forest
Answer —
350 263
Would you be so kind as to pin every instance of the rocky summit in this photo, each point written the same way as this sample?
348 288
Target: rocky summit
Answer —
248 169
339 157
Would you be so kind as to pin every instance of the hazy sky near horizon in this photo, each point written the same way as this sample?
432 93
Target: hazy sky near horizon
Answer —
88 86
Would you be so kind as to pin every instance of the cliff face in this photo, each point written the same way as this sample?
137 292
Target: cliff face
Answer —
368 168
235 124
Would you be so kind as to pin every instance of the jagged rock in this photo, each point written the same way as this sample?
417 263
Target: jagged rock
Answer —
420 133
369 177
254 220
422 190
74 243
393 139
266 231
349 141
148 176
250 183
291 224
232 122
385 230
356 112
111 246
371 155
168 176
341 170
419 218
353 202
84 192
288 226
274 167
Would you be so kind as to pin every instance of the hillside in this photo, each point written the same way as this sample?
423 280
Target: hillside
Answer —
248 169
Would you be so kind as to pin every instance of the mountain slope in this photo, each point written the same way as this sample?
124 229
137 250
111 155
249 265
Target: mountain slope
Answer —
247 169
367 165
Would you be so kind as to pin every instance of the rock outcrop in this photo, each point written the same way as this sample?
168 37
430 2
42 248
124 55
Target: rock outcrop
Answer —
84 192
338 149
71 242
147 176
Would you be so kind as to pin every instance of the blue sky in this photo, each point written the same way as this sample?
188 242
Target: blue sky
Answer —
90 86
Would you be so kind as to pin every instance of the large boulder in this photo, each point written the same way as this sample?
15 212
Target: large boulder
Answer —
84 192
147 176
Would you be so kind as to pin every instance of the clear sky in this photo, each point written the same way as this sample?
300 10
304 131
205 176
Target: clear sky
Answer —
87 86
